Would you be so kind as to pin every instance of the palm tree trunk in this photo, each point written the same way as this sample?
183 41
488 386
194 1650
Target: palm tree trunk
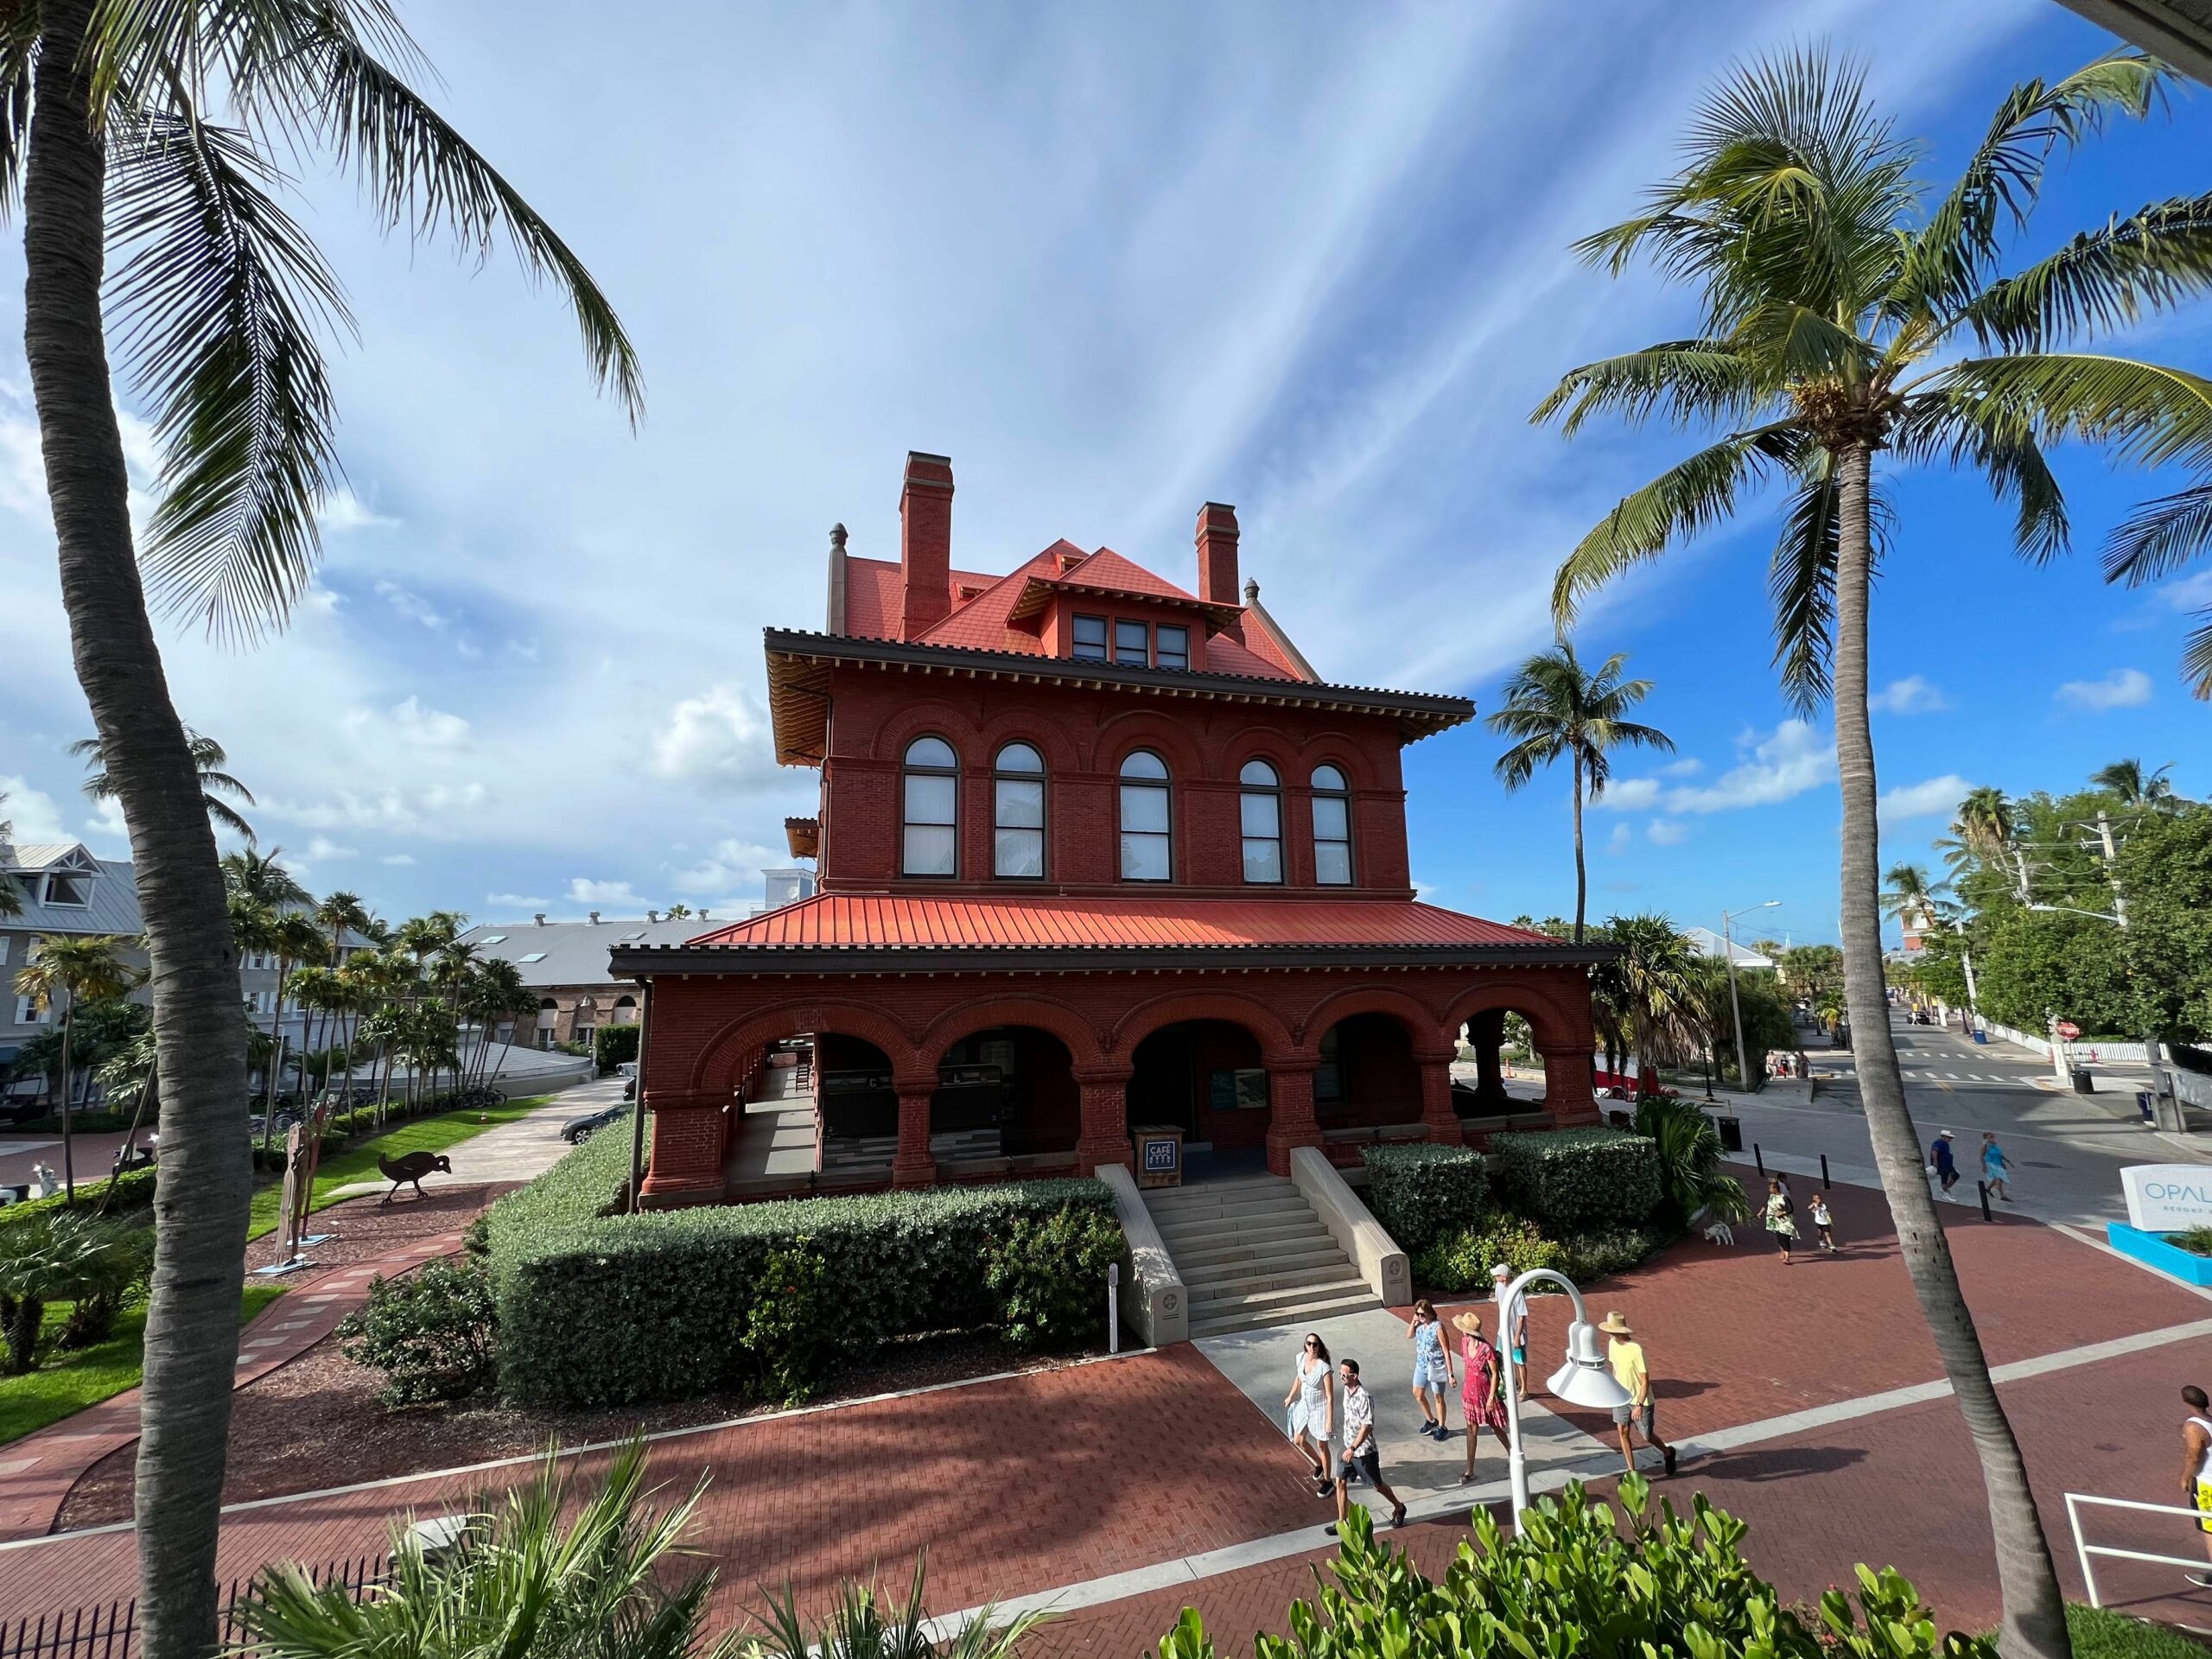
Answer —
192 1319
147 1092
276 1057
68 1088
2034 1614
1581 871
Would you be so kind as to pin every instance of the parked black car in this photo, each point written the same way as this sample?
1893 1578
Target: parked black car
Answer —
577 1130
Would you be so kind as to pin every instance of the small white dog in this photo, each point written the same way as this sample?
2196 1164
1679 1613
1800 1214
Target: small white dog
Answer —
1720 1233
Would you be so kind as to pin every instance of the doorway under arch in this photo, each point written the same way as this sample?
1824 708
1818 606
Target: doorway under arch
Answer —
1005 1092
1205 1077
1367 1078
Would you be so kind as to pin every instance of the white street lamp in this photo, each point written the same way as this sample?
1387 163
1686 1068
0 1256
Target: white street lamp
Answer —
1735 1002
1585 1380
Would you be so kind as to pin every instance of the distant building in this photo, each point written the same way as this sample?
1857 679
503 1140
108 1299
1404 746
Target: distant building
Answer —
1710 944
63 889
565 964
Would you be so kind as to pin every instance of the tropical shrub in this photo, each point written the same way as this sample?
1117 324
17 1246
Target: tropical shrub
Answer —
1422 1193
1607 1250
1049 1275
65 1256
1688 1145
1569 1179
134 1191
790 1333
663 1293
1567 1583
864 1622
430 1333
1462 1259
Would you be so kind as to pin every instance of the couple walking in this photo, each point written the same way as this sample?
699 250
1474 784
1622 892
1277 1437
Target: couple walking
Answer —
1318 1428
1481 1375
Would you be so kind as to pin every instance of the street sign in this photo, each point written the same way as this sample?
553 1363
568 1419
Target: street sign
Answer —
2168 1197
2068 1030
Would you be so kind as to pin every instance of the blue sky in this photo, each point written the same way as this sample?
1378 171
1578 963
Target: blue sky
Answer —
1310 260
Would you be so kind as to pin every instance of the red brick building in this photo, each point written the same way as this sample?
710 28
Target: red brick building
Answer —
1094 851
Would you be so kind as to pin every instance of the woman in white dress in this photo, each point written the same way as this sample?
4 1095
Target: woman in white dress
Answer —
1311 1402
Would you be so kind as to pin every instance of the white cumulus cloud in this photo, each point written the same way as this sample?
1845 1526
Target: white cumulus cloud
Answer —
720 739
1913 694
1616 844
2124 688
1664 832
413 723
1628 794
1937 795
732 866
1789 761
583 891
344 511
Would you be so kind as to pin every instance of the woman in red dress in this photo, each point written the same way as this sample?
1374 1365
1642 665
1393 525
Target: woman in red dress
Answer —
1482 1387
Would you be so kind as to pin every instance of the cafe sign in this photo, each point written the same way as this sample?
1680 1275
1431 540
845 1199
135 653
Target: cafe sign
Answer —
2168 1197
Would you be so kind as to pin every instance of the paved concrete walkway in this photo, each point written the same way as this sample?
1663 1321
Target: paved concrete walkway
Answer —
515 1151
37 1471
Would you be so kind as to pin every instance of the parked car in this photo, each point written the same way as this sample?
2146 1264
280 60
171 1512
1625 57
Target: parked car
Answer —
577 1130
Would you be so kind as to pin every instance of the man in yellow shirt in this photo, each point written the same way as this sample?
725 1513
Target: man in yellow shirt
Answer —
1626 1357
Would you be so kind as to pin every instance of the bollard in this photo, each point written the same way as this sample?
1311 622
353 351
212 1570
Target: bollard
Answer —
1824 1169
1113 1304
1984 1187
1757 1160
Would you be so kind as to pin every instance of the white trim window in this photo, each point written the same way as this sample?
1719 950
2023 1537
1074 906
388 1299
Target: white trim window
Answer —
1147 820
1259 814
1018 813
930 809
1332 828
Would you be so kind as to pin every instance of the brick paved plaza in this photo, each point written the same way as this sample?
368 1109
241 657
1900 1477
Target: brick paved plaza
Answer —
1052 1482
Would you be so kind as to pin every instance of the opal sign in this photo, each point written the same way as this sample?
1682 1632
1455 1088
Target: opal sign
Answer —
2168 1197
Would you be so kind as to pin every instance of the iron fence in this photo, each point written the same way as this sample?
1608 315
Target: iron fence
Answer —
110 1630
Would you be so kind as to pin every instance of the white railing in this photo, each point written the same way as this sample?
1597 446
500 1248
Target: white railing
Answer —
2083 1549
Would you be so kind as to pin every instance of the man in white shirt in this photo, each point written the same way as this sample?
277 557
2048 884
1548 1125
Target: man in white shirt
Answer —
1360 1453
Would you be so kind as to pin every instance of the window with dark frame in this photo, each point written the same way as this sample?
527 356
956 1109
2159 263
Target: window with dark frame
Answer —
1171 647
1146 845
1132 643
1018 813
1260 812
929 838
1089 640
1332 828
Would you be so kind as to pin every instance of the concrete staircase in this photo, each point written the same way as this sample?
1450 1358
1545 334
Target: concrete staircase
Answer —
1251 1252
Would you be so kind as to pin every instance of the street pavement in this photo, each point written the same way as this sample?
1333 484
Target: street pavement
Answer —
515 1151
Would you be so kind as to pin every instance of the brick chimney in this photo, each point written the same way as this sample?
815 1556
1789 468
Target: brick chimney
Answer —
1217 554
925 543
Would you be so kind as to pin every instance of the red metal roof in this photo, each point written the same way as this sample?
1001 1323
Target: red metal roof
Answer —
843 919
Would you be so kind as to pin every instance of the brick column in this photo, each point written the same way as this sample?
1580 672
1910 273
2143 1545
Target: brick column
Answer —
1290 1112
1567 1094
1436 1113
689 1129
912 1164
1105 1135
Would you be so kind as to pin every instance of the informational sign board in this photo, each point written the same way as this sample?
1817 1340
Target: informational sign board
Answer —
1161 1153
2168 1197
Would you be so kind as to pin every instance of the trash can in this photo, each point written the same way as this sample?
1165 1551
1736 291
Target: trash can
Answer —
2143 1104
1980 1036
2084 1080
1731 1133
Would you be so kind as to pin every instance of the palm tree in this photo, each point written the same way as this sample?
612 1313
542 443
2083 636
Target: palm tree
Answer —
2137 788
1553 709
1910 899
133 1074
70 969
1848 315
295 940
11 900
263 876
2161 537
171 114
1655 973
207 759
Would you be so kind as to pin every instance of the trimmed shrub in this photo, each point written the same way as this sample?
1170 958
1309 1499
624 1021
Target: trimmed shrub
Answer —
1048 1274
617 1044
607 1310
134 1191
1576 1178
430 1333
1607 1250
1568 1583
790 1330
1462 1259
1421 1193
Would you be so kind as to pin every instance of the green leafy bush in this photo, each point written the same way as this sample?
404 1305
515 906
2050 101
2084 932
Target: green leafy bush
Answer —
1462 1261
430 1333
134 1191
1606 1250
790 1331
65 1256
617 1044
661 1293
1568 1583
1687 1144
1569 1179
1421 1192
1049 1275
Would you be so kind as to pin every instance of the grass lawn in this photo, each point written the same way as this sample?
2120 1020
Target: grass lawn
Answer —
2100 1634
358 1162
74 1380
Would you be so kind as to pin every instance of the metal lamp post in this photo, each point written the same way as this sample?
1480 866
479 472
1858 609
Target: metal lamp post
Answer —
1585 1380
1736 1002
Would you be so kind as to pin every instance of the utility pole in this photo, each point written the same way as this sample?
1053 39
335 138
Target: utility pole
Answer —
2112 862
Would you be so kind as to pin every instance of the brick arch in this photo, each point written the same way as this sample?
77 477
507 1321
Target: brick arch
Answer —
1238 1009
1261 742
1049 738
931 714
725 1057
1147 728
1556 1006
1431 1035
1340 750
1083 1043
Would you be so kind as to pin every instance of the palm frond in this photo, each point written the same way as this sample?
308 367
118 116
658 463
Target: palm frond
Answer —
18 56
1681 501
2160 537
2103 281
2147 413
1684 380
1995 436
223 297
1951 256
1801 581
2196 658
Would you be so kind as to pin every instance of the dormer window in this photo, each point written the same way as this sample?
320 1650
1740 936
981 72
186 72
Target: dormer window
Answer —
1089 640
68 889
1172 646
1132 644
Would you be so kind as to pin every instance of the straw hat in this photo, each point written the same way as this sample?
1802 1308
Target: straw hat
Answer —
1469 1322
1615 1327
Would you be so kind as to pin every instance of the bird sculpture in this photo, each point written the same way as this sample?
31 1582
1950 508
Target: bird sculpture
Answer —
409 1169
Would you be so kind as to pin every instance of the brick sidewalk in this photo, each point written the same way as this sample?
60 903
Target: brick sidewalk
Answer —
37 1471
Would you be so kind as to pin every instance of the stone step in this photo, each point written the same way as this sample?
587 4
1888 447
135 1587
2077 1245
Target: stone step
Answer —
1225 1323
1259 1211
1171 1200
1243 1185
1215 1235
1262 1252
1299 1276
1286 1301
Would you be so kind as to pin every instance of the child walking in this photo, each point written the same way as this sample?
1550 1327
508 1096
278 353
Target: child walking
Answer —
1822 1221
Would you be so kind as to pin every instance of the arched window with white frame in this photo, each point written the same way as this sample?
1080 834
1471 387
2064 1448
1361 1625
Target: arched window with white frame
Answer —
930 818
1018 813
1260 812
1332 828
1145 834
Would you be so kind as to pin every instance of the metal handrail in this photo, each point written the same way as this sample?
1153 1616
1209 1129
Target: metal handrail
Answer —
2084 1550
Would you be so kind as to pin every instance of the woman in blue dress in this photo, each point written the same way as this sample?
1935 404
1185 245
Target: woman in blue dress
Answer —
1431 1369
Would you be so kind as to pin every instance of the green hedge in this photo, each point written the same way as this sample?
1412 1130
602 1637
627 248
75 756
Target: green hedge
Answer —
1577 1178
134 1192
1461 1259
615 1310
1422 1193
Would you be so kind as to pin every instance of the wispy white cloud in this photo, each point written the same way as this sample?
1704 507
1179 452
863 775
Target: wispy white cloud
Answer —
399 860
410 605
584 890
1937 795
516 901
325 850
2124 688
1665 832
1616 844
344 511
1775 768
1629 794
1689 766
1913 694
734 866
410 722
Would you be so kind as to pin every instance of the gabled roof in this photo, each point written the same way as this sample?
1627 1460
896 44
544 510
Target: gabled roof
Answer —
1709 943
573 953
108 884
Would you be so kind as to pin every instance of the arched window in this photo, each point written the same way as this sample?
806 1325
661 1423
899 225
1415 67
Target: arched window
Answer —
1018 812
1145 855
1332 828
932 787
1261 809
